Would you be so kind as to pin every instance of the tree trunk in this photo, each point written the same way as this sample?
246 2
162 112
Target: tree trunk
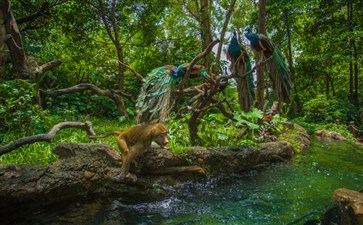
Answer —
4 54
289 45
356 73
206 30
225 25
13 41
260 72
353 63
111 27
121 80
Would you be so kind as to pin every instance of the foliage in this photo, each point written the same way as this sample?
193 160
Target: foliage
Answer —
324 110
41 153
157 33
75 104
18 110
312 127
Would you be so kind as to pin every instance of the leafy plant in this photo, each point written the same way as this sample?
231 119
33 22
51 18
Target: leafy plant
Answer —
18 111
325 110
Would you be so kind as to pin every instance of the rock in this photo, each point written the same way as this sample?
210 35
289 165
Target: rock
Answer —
330 134
93 169
301 135
351 206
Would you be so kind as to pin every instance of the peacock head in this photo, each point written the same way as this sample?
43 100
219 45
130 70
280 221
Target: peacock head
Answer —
247 30
234 33
196 70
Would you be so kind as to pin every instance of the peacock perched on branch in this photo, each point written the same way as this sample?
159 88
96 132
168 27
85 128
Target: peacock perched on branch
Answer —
240 65
154 100
275 64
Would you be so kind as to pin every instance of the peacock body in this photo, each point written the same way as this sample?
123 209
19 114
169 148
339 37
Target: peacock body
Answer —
276 66
154 100
240 65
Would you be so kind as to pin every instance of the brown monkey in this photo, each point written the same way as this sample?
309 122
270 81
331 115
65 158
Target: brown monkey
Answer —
135 141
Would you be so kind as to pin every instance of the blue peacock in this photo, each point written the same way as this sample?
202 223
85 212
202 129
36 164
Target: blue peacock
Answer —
275 64
154 101
240 65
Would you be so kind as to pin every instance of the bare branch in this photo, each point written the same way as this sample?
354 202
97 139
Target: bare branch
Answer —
48 66
224 29
41 12
87 126
87 87
195 60
132 70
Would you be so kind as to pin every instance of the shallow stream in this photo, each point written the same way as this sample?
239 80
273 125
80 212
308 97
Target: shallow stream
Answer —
279 194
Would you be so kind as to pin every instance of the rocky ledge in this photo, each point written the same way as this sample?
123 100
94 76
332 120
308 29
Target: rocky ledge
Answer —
93 169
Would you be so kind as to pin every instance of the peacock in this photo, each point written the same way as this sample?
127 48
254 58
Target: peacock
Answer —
275 64
240 65
154 100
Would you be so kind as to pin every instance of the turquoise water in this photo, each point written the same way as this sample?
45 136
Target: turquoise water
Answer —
280 194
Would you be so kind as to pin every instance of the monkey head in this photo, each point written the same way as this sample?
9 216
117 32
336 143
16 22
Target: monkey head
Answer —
159 134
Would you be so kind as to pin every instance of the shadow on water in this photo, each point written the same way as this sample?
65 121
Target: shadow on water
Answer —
279 194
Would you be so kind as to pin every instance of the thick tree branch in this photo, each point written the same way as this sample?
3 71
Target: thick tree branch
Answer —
85 87
43 11
48 66
87 126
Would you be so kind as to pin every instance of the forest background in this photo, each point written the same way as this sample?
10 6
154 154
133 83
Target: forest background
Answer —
65 43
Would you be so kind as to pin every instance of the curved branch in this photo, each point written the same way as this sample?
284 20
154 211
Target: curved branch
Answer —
86 87
48 66
195 60
43 11
132 70
87 126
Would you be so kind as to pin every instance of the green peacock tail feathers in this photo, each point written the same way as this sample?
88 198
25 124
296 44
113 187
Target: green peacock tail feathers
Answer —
155 96
279 75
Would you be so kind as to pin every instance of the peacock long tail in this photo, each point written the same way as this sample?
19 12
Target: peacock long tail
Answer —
240 65
154 100
245 85
279 75
275 64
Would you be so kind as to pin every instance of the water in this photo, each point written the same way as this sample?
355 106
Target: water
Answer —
279 194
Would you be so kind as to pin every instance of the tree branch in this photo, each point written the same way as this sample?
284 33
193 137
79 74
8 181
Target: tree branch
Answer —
132 70
43 11
224 29
87 126
195 60
86 87
48 66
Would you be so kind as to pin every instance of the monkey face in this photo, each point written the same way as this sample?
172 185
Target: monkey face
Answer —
161 140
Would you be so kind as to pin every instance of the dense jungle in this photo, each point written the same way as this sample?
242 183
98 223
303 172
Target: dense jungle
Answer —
212 73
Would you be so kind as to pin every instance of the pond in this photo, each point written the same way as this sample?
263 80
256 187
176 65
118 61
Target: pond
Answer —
279 194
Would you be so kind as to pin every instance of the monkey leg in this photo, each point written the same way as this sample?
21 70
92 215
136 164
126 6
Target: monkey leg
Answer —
131 155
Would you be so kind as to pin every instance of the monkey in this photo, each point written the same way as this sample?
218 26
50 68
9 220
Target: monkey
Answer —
135 141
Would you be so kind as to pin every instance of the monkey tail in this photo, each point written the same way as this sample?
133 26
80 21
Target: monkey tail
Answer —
115 132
